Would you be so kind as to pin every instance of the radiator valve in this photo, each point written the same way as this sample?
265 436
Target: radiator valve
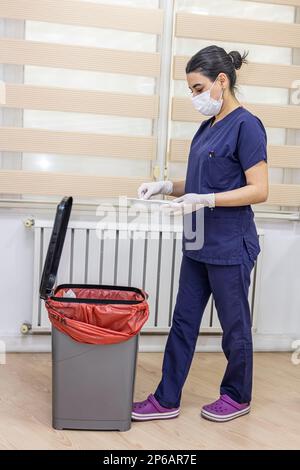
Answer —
29 222
25 328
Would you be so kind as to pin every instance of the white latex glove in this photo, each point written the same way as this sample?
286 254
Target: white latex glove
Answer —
189 202
146 190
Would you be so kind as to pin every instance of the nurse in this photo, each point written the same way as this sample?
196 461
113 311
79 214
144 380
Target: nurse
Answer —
227 172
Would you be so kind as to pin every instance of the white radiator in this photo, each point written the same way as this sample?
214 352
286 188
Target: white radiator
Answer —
148 259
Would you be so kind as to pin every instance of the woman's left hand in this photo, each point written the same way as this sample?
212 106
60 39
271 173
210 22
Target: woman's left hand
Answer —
189 202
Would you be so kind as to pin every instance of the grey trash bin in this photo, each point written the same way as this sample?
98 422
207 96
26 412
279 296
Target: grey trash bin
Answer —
92 384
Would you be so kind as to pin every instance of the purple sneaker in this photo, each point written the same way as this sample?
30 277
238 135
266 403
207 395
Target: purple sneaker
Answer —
224 409
151 409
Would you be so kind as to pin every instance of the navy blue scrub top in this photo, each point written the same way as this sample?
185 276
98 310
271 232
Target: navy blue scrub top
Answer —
219 156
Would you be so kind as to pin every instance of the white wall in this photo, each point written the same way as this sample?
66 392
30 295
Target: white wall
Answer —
16 271
279 314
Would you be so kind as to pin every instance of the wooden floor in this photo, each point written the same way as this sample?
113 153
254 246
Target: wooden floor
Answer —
274 422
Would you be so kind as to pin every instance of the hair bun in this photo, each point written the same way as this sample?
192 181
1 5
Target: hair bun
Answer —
237 59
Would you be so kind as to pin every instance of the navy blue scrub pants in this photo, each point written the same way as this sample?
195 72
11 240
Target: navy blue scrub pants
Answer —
229 285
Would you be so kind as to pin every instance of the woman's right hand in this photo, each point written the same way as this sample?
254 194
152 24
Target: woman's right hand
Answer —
147 190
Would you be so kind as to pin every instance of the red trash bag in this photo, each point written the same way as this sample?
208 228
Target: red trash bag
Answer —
98 314
93 314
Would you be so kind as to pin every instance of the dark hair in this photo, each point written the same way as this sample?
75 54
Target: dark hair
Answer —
213 60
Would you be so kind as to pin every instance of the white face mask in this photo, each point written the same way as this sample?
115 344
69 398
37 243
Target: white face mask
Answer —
205 104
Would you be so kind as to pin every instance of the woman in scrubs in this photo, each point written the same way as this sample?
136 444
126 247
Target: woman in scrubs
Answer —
226 173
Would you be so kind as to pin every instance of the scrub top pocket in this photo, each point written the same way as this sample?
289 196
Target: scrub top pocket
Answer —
219 169
217 228
251 243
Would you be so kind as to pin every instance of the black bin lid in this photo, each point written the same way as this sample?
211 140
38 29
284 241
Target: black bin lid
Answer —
55 247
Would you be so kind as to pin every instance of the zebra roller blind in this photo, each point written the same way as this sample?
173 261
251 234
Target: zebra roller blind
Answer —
269 83
62 36
88 88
